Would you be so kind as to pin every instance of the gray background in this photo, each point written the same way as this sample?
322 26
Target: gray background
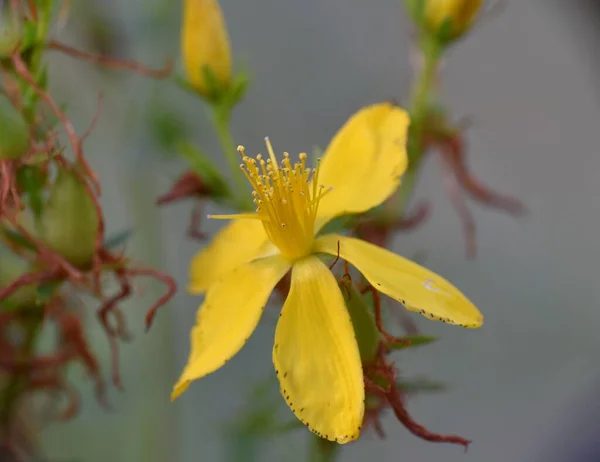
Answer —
527 79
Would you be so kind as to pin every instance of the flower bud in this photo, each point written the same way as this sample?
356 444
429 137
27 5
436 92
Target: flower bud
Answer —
14 132
69 222
10 31
446 20
205 47
11 268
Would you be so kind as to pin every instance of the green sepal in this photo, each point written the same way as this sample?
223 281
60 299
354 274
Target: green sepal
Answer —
31 180
206 170
14 131
363 321
445 33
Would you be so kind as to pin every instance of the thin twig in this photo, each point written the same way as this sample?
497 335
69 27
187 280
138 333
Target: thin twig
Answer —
112 62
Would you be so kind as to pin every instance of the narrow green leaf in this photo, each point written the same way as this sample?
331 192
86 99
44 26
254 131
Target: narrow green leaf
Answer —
421 386
415 340
202 166
117 239
17 238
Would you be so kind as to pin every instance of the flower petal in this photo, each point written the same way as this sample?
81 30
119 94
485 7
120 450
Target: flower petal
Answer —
316 355
364 161
239 242
229 315
417 288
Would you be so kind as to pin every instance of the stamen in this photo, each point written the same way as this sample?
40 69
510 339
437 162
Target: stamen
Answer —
236 216
286 201
271 153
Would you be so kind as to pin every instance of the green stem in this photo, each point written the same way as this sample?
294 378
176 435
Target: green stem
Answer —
222 121
323 450
17 382
419 111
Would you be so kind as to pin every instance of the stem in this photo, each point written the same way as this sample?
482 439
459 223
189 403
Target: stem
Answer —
322 450
419 106
419 110
17 382
221 117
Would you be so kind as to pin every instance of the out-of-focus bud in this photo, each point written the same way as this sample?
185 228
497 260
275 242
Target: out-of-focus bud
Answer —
69 222
11 268
14 132
10 30
205 47
446 20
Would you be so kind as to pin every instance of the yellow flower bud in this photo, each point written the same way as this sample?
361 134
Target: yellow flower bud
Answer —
205 45
450 18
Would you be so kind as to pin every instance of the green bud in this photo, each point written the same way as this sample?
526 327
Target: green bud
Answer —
11 268
14 132
69 223
10 32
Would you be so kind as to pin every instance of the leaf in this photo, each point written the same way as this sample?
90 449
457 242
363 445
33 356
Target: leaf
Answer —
365 328
118 238
415 340
420 385
205 169
17 238
166 127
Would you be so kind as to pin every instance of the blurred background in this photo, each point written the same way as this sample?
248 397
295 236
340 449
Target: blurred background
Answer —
525 386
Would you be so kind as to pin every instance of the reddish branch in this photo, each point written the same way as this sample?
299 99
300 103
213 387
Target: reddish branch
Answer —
379 232
380 370
458 178
188 185
107 61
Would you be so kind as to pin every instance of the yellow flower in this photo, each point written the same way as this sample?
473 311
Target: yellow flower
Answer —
315 353
460 13
205 44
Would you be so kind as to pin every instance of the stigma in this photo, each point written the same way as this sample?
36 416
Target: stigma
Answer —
287 197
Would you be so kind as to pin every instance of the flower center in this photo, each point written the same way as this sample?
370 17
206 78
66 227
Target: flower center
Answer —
286 199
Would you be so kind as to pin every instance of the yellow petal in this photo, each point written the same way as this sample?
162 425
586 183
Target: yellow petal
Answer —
205 42
417 288
228 316
364 161
235 244
316 355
